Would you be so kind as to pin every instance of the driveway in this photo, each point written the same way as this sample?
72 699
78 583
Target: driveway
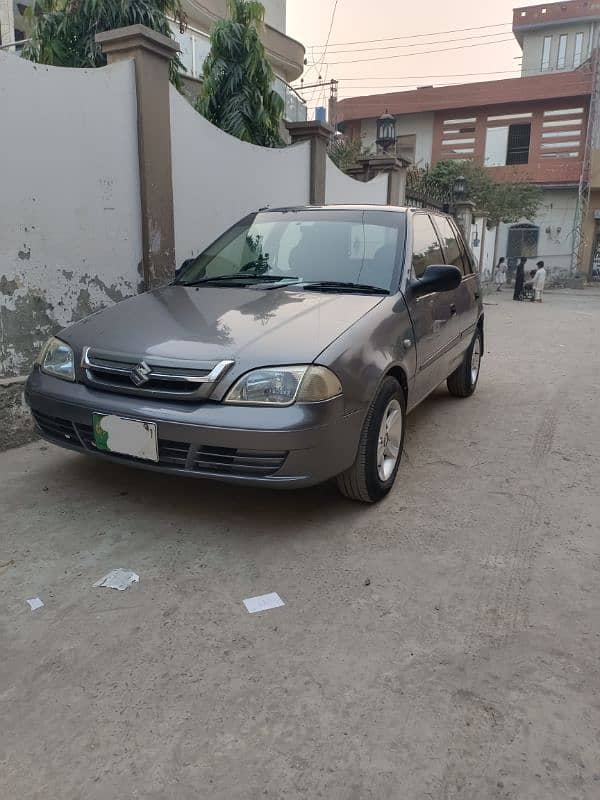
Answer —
444 644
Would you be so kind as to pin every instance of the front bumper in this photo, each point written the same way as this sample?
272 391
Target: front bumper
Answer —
301 445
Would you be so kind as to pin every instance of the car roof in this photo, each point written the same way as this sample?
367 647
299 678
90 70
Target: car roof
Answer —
350 207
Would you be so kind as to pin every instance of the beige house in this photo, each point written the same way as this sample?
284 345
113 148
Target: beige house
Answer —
285 54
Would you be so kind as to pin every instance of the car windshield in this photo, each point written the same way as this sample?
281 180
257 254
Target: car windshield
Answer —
337 249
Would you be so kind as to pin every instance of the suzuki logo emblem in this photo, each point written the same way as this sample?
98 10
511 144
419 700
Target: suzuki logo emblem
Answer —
140 374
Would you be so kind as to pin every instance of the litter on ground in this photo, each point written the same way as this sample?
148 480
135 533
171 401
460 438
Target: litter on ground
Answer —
263 603
119 578
35 603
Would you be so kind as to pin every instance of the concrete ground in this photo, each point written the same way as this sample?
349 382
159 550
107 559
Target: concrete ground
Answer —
466 668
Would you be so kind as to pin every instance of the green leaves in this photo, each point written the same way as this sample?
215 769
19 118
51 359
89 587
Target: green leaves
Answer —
236 91
63 31
507 202
345 152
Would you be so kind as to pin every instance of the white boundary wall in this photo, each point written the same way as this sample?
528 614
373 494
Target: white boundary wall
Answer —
218 179
70 238
342 189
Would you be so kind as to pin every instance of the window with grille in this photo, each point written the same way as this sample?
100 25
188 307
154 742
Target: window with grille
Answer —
519 137
522 241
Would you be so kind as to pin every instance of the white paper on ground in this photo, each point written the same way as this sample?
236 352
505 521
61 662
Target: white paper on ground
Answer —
263 603
119 578
35 603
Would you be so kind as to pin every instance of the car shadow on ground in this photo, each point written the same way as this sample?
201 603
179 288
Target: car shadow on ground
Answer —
188 501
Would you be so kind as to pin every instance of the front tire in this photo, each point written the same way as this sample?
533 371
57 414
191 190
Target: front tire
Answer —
463 381
380 448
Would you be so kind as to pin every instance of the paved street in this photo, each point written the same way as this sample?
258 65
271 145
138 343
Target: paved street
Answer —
467 668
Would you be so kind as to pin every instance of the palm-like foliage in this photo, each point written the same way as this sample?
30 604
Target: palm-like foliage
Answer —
236 92
63 31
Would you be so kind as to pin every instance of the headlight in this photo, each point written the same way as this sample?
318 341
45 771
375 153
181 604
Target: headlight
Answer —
57 359
282 386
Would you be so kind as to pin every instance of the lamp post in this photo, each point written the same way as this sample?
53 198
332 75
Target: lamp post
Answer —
386 133
463 209
459 188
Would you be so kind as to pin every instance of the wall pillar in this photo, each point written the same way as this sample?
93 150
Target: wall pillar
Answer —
151 53
319 135
396 170
463 211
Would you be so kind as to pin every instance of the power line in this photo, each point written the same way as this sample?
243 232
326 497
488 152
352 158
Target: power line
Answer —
376 103
421 53
415 35
422 77
319 64
416 44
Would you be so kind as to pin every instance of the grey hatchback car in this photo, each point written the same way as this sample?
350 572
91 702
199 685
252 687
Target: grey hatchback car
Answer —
286 354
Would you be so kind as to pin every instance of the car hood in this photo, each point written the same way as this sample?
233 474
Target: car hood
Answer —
253 327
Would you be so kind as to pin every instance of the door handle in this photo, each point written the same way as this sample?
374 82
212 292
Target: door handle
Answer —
452 309
477 295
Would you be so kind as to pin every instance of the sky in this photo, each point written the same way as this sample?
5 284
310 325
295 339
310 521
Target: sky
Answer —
462 56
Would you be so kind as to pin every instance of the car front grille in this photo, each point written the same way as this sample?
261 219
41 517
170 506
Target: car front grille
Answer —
56 428
167 378
173 455
228 461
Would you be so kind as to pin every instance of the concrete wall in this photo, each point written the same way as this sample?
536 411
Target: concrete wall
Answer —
554 248
484 249
340 188
218 179
420 125
70 238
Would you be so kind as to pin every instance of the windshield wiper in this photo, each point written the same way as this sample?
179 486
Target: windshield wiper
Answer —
342 286
247 277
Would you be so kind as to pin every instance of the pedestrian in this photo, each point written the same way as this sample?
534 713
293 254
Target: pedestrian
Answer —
519 279
539 282
500 275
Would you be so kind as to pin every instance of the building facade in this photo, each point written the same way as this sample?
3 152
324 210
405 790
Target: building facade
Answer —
535 128
285 54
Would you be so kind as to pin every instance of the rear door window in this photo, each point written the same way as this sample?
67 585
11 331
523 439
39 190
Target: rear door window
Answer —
426 248
453 252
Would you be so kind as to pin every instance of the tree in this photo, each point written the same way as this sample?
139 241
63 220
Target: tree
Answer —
236 92
503 202
345 152
63 32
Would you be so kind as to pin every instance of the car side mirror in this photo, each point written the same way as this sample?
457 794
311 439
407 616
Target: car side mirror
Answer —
437 278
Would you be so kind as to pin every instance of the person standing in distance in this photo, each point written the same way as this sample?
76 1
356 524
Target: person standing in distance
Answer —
500 275
539 282
519 279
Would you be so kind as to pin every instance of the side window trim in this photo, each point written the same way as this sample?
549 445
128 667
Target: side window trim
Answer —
466 257
426 214
466 264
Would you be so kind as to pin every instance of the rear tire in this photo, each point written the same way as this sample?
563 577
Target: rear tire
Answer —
463 381
380 448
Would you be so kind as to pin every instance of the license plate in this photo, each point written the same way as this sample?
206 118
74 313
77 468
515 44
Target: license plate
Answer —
126 437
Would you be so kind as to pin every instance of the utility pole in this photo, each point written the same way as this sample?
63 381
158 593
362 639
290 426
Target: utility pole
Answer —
592 143
333 98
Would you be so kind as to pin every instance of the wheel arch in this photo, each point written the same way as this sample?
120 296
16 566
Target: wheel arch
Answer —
399 374
481 326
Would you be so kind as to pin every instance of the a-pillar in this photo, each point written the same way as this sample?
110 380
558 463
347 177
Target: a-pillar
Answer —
151 53
319 135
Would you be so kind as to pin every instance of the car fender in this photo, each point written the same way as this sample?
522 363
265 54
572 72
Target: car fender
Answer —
379 343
